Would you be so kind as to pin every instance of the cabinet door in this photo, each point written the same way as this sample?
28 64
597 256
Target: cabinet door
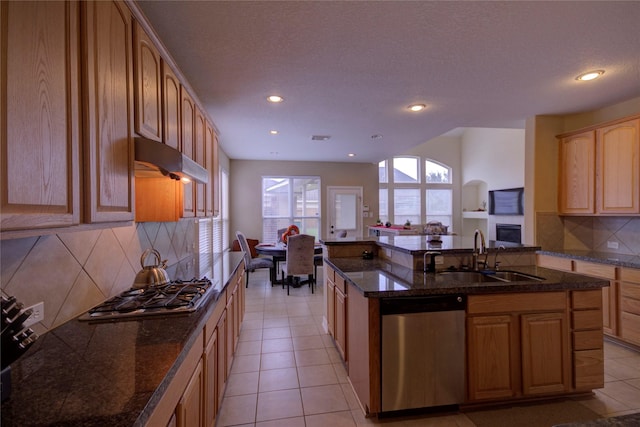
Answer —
39 115
171 130
221 370
109 112
210 381
545 353
148 78
331 305
618 154
341 323
199 142
492 357
189 410
576 194
187 108
212 204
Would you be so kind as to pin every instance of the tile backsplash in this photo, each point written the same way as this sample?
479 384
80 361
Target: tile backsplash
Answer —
616 235
74 271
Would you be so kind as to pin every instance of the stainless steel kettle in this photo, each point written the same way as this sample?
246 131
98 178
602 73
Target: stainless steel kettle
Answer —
151 275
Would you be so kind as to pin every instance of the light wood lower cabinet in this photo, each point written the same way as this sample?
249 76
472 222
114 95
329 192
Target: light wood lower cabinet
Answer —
330 288
341 319
492 355
517 345
630 305
194 396
189 410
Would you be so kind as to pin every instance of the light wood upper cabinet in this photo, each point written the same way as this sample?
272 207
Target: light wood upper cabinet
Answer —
148 78
188 110
211 164
618 168
39 115
108 118
170 107
599 170
577 174
199 142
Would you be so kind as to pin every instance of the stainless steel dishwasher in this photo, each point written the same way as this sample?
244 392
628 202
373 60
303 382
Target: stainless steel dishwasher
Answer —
423 351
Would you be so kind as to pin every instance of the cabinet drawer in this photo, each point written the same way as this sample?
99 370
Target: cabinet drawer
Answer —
554 262
602 271
630 275
586 299
507 303
587 340
588 369
630 290
586 319
630 327
331 273
630 305
212 321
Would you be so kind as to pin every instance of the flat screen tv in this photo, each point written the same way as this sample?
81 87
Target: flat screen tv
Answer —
506 202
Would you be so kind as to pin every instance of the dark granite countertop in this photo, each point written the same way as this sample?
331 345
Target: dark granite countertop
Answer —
106 374
629 420
377 278
418 244
620 260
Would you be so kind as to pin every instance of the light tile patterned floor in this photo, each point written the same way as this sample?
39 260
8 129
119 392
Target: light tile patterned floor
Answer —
287 373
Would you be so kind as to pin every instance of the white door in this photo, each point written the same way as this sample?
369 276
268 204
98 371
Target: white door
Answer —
344 211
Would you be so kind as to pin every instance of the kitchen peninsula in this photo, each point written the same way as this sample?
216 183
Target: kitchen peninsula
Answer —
526 332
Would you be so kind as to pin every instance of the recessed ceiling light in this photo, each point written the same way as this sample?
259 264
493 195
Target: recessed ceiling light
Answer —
275 98
591 75
273 132
417 107
351 155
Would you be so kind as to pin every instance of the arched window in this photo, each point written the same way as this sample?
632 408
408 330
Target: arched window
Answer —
409 194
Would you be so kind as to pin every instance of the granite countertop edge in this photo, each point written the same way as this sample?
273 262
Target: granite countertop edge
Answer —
619 260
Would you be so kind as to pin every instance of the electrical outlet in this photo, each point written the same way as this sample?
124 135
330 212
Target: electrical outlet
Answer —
36 316
612 245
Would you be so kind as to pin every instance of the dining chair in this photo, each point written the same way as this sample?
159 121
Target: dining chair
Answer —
252 264
281 231
300 256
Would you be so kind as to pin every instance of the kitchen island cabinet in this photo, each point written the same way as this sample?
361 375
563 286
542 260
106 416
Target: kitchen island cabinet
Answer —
525 339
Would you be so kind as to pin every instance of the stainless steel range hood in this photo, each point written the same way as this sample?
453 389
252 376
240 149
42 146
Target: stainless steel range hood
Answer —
153 158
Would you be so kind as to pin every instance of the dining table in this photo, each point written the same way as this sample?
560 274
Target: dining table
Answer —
278 253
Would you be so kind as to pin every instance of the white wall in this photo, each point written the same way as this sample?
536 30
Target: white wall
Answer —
492 159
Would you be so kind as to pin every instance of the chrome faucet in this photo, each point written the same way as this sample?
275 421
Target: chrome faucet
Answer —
496 264
431 267
478 251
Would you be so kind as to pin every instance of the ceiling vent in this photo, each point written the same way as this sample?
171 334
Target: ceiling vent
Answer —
320 137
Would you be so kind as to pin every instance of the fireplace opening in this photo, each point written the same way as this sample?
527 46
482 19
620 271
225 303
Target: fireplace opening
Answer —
509 233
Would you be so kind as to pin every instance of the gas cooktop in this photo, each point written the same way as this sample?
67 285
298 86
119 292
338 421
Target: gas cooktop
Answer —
177 297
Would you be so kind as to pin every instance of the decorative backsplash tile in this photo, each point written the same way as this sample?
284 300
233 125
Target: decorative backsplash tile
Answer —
74 271
601 234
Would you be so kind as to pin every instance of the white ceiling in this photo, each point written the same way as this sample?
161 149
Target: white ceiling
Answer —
349 69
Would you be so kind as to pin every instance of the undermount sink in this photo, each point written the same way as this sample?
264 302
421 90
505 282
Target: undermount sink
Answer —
469 276
490 276
514 276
